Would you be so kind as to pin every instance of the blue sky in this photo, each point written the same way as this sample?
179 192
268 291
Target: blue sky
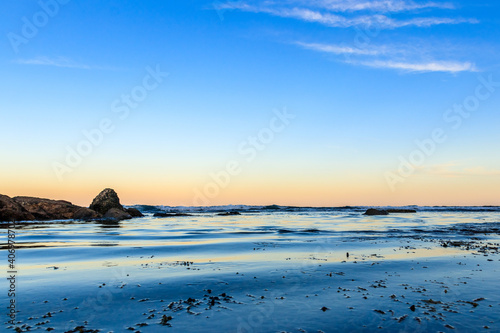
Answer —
364 80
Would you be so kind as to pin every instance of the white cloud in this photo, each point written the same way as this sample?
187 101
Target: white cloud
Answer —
56 62
370 17
436 66
331 17
378 5
367 21
337 49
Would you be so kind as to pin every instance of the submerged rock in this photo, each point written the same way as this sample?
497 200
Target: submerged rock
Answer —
11 211
170 214
229 213
373 211
400 210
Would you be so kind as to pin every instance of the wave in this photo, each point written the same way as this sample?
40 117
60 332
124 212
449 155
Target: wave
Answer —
296 209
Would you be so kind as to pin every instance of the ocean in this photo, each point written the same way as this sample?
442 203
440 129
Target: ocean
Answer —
269 269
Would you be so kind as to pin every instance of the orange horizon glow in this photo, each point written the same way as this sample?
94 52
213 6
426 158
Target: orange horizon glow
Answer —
246 191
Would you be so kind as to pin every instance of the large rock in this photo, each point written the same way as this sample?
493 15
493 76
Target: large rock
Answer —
117 215
46 209
108 204
373 211
11 211
105 201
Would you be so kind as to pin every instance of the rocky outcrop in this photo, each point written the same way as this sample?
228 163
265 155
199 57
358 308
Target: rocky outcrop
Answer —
373 211
105 201
106 204
46 209
11 211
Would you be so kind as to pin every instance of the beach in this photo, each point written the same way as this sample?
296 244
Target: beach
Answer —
278 269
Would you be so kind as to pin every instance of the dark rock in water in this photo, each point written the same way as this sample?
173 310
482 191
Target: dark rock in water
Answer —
46 209
398 210
105 201
86 214
117 214
373 211
108 204
11 211
134 212
170 214
228 213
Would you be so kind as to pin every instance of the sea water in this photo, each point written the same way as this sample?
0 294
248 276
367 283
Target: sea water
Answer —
270 269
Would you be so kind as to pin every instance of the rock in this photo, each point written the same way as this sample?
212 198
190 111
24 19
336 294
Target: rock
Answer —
398 210
11 211
105 201
117 215
170 214
373 211
29 208
86 214
46 209
229 213
134 212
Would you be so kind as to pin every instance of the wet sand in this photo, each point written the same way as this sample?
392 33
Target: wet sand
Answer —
272 272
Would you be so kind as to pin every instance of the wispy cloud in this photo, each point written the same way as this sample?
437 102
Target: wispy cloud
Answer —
331 17
338 49
56 62
433 66
369 17
380 57
377 5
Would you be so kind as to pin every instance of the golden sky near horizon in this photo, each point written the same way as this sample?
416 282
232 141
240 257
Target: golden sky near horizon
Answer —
366 190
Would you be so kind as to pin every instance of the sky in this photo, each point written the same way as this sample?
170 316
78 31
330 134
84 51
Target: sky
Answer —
306 103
